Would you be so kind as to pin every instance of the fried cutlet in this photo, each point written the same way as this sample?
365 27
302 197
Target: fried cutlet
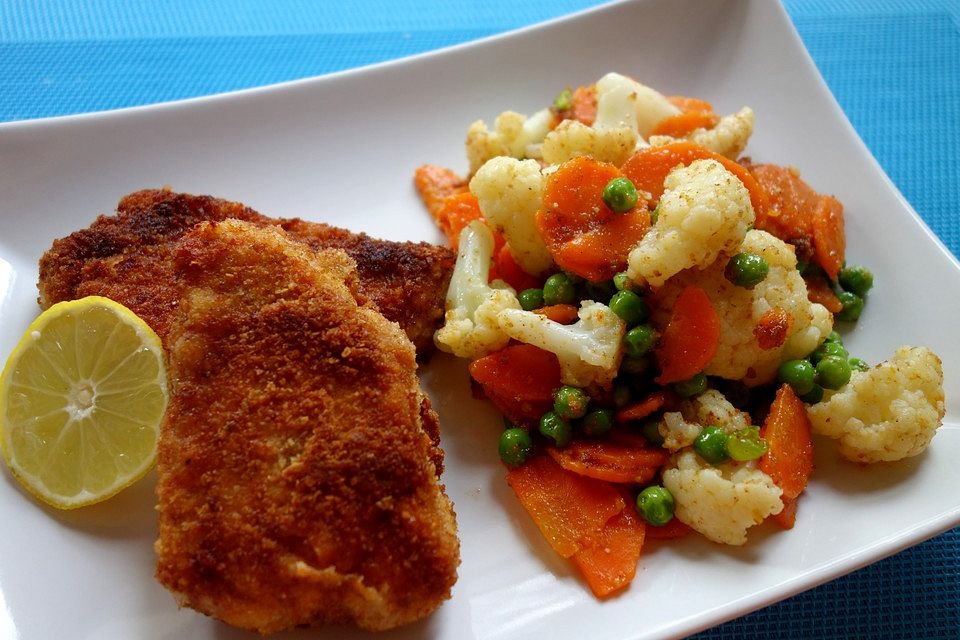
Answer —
128 257
297 481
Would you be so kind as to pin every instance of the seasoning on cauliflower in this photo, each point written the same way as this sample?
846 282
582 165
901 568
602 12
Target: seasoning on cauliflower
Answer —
572 138
723 501
470 327
705 210
680 428
739 355
728 137
589 350
622 101
888 413
513 135
510 193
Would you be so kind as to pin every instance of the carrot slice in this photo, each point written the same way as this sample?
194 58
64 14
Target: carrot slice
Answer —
670 531
685 123
818 290
788 516
686 103
829 240
519 380
690 339
567 508
792 202
583 106
648 168
610 461
456 212
562 313
505 268
789 457
435 184
585 236
772 328
640 410
608 560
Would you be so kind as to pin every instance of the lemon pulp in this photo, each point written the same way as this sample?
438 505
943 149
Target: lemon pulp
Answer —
81 400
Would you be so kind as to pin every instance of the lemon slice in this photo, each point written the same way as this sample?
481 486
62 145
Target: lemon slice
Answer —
81 399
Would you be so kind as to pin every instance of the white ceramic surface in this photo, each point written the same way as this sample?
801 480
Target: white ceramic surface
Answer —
342 149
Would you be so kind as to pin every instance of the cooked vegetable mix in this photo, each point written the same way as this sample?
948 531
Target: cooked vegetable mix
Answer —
655 314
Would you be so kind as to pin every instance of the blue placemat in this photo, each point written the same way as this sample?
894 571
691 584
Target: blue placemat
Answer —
894 66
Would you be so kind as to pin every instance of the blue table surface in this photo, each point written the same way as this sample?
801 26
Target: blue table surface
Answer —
894 66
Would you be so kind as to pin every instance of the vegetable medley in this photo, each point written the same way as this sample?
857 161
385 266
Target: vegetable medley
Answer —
654 315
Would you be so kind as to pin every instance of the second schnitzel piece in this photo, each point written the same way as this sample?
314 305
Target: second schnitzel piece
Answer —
298 474
128 258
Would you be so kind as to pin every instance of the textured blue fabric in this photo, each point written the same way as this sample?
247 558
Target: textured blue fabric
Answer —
894 66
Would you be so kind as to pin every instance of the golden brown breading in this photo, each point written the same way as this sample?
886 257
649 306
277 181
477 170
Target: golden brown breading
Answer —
127 257
297 482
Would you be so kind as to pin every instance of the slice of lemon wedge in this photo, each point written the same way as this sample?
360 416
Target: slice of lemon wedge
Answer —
81 400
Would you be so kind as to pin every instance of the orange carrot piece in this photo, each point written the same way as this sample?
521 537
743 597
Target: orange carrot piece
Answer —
670 531
610 461
686 103
772 328
640 410
585 236
562 313
685 123
690 339
435 184
608 560
506 268
788 516
567 508
456 212
829 240
519 380
648 168
584 105
818 290
789 457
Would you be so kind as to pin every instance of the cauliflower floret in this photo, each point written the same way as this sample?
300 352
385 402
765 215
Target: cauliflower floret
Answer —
510 193
572 138
625 102
680 428
728 138
888 413
470 327
705 210
589 350
721 502
514 135
739 355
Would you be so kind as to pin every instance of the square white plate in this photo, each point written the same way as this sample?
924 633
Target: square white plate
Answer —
342 149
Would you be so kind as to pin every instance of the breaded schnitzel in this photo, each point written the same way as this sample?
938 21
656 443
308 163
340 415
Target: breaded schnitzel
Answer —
297 479
128 258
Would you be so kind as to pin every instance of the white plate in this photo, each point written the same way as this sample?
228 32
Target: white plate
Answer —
343 149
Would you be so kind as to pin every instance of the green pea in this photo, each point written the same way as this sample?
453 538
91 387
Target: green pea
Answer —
621 394
530 299
640 340
630 307
637 365
711 444
556 428
828 349
814 396
746 444
620 194
559 289
570 402
799 374
651 431
746 270
599 291
852 306
691 387
563 101
515 446
622 281
834 337
597 422
833 372
656 505
858 364
856 279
